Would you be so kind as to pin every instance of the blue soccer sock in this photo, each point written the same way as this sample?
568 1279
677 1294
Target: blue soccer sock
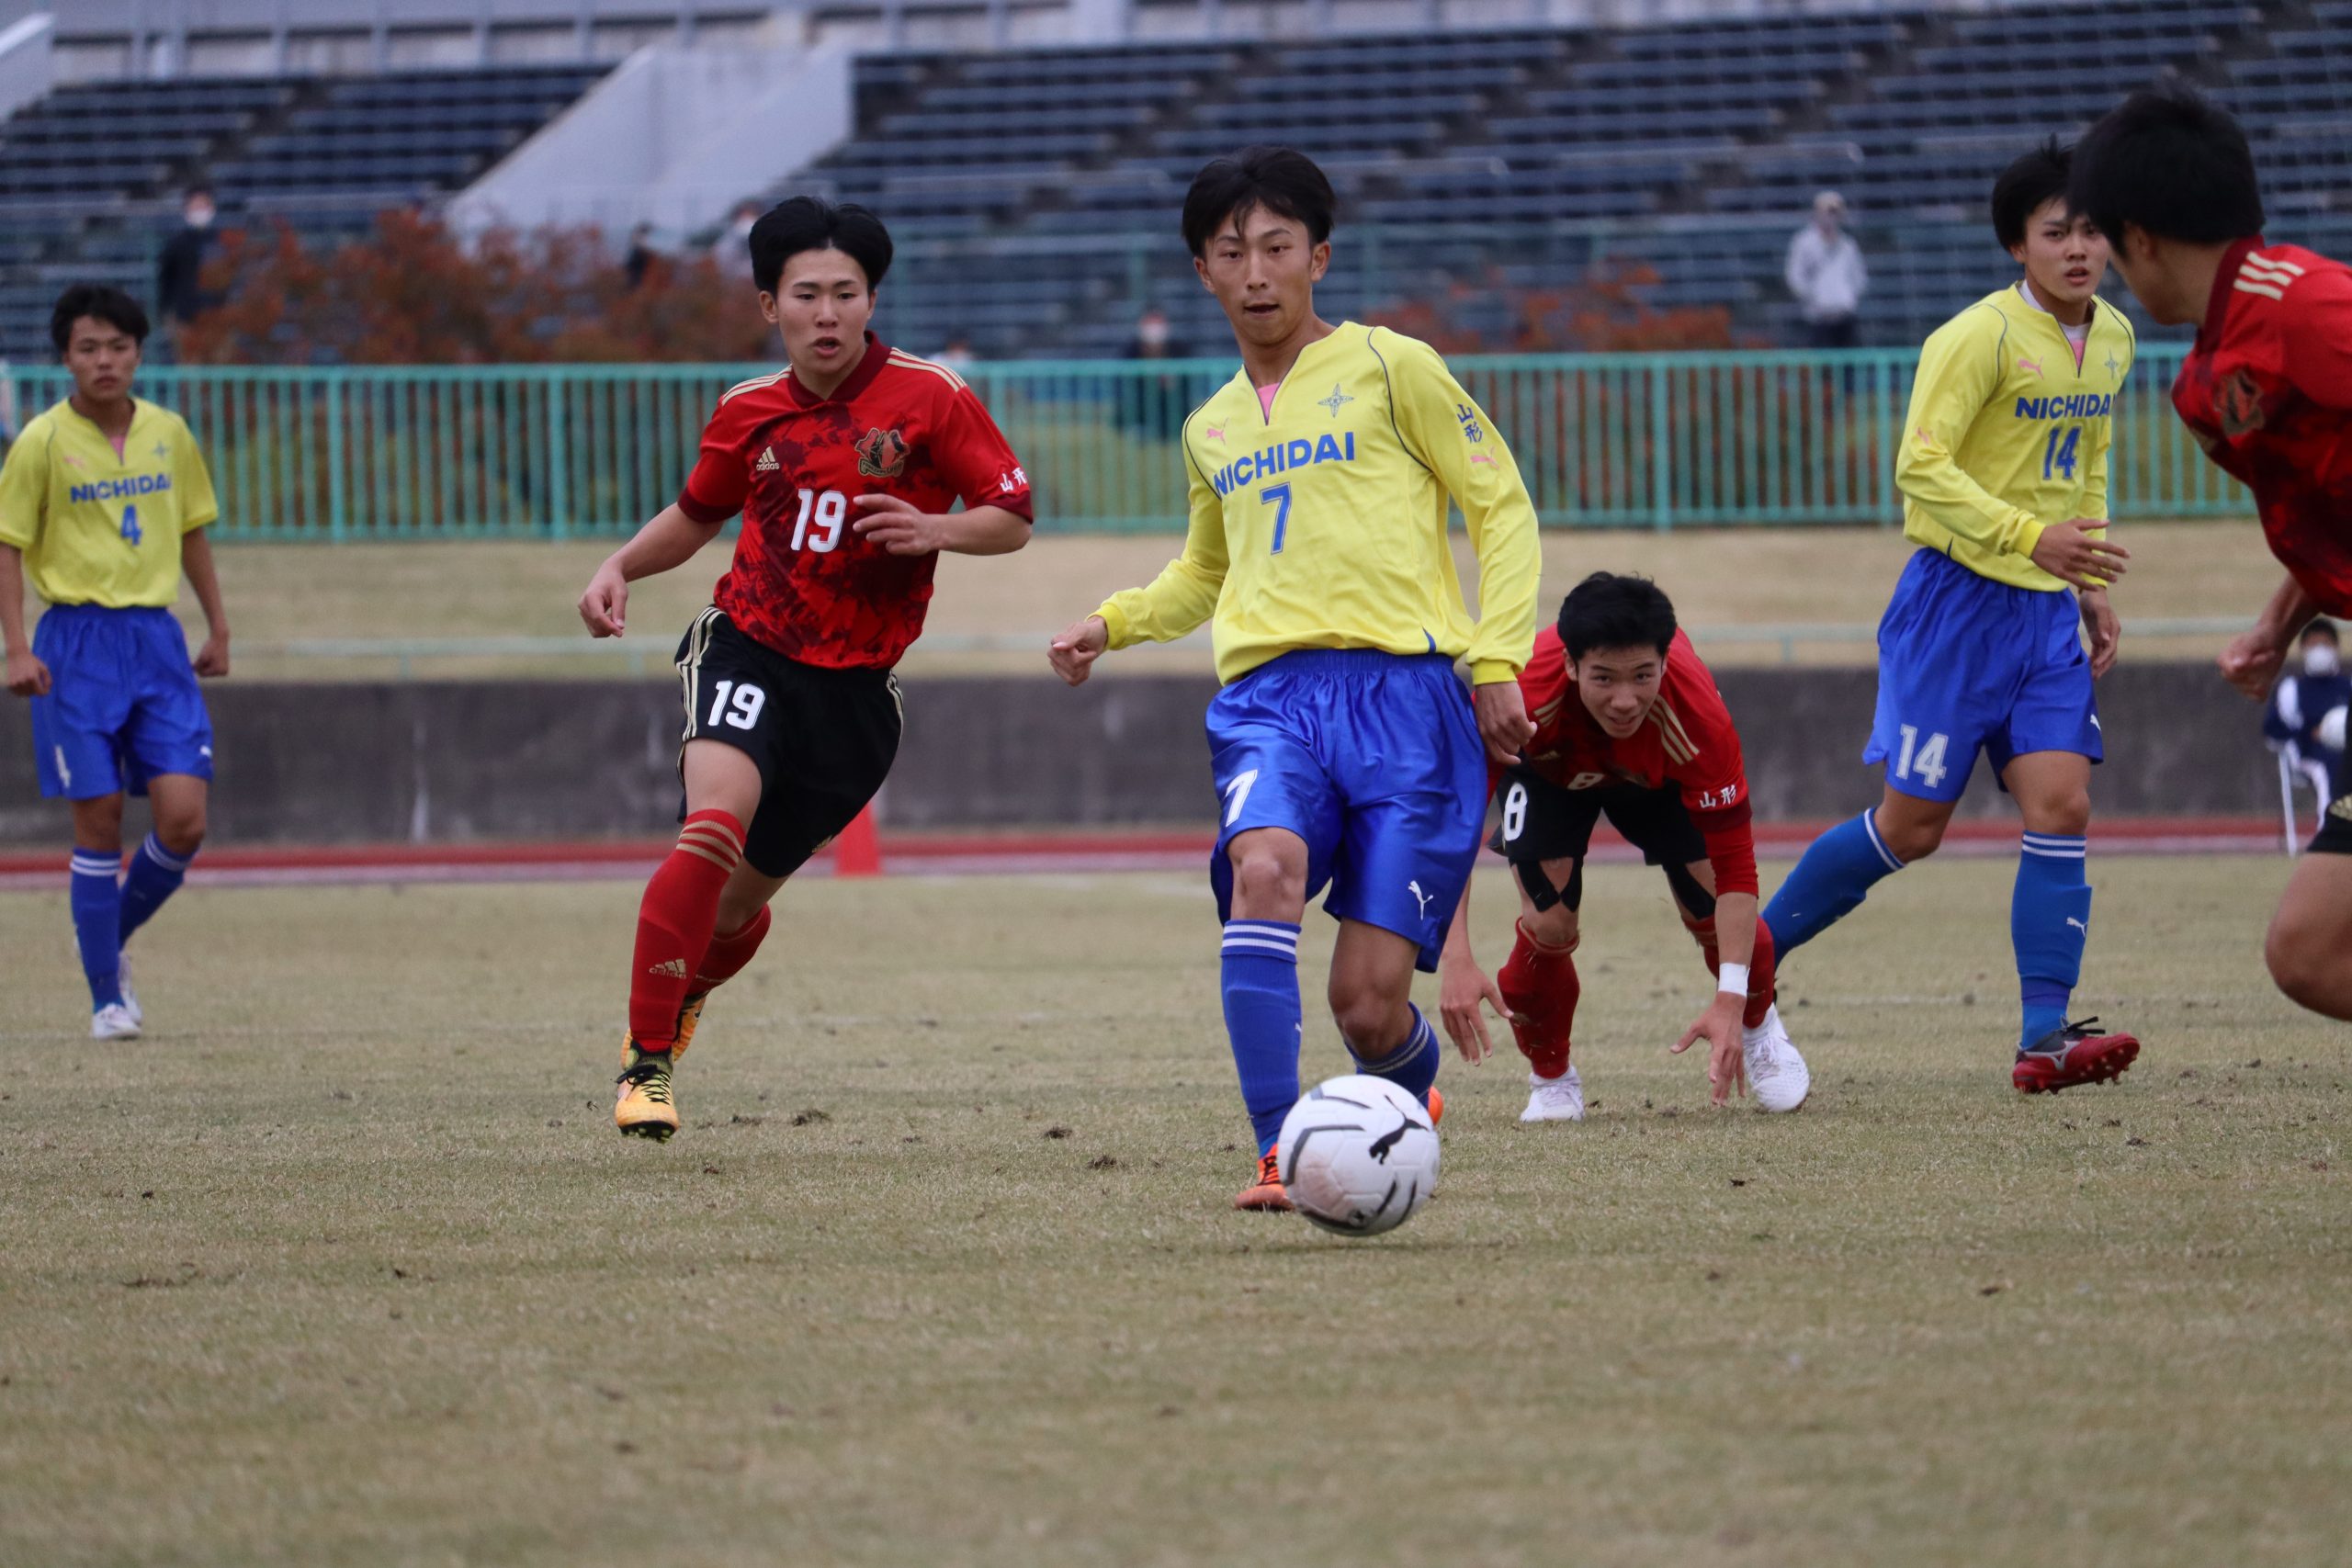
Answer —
1837 871
2050 921
1412 1066
1260 984
155 874
96 902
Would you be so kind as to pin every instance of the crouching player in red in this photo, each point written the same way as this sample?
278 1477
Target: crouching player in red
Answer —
1629 723
2268 392
844 464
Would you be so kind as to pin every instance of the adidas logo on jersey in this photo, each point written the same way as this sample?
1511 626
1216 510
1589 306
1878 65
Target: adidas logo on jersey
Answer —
767 463
674 968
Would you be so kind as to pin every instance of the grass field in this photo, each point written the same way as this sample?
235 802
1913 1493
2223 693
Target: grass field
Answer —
344 1263
1720 578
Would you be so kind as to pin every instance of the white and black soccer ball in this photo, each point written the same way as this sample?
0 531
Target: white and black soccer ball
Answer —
2331 730
1358 1155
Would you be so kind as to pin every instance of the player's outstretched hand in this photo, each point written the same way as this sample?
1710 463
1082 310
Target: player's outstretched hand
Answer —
2250 663
2106 631
1464 990
213 659
1074 652
1719 1026
27 676
898 527
2067 552
604 607
1502 708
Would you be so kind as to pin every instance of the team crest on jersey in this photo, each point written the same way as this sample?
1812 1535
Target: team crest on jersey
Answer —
882 454
2238 402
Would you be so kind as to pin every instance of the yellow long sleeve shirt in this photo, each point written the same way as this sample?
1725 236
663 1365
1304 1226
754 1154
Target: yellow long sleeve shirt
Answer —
1323 524
2009 432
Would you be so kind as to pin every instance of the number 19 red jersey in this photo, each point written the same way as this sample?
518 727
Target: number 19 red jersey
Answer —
2268 392
803 581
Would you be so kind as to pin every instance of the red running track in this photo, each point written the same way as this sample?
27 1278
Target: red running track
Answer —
966 854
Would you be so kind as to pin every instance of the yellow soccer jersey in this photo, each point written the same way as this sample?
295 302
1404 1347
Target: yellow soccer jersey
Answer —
1324 523
2009 433
97 528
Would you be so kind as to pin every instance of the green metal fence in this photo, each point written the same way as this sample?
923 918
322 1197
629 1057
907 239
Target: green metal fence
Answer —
1650 440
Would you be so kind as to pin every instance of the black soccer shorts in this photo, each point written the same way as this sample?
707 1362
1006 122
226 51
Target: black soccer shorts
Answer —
2334 835
1543 821
823 739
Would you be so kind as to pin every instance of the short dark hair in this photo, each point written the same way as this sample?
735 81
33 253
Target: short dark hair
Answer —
2172 162
1282 180
2023 187
1615 610
102 301
2321 626
811 223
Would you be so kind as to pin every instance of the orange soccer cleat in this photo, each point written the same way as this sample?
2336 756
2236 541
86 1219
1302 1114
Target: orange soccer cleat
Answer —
1266 1193
1437 1106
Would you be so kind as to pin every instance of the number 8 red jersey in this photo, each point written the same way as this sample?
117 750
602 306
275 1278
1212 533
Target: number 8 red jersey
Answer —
804 581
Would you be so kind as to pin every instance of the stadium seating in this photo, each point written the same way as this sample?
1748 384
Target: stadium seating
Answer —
90 174
1462 158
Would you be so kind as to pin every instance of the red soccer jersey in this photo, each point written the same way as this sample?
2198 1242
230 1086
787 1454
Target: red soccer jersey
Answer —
2268 392
803 581
1687 739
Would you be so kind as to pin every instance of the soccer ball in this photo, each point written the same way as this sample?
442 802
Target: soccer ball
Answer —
2331 730
1358 1155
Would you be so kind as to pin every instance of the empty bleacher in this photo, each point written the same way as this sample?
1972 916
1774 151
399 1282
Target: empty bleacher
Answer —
91 175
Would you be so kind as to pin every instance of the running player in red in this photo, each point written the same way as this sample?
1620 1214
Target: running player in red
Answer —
2268 392
1628 724
845 466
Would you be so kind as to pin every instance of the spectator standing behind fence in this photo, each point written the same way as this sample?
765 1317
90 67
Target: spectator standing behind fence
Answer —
2304 719
1158 406
1826 274
179 272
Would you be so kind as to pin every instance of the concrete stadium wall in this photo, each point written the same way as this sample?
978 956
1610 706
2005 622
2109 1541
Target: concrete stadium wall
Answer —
474 761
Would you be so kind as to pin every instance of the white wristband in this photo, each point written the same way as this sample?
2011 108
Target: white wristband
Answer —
1733 977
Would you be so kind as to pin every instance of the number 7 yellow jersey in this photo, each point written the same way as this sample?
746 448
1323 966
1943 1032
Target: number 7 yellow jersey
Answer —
1322 523
102 527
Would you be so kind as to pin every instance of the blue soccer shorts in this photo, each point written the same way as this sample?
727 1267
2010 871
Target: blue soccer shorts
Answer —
1968 664
123 705
1373 759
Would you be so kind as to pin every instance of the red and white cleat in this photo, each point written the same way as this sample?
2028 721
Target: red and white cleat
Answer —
2075 1054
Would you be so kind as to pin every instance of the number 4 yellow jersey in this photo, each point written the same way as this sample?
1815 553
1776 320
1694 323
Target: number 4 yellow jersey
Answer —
98 528
2009 433
1322 523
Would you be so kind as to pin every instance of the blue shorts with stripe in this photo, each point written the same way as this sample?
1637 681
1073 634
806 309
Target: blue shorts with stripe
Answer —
122 705
1373 759
1966 664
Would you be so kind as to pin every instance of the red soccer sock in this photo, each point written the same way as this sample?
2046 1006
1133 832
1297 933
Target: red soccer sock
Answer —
730 951
1540 985
1760 981
675 921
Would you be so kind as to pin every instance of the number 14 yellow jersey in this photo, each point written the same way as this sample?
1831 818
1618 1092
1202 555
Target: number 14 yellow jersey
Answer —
1322 524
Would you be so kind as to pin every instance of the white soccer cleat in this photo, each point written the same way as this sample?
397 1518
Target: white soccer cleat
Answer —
113 1021
130 998
1778 1079
1555 1100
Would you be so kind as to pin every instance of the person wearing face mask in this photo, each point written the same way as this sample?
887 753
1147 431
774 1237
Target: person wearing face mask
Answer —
179 274
2304 721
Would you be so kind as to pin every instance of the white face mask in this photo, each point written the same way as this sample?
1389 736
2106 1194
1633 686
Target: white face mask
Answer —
199 216
2321 659
1154 332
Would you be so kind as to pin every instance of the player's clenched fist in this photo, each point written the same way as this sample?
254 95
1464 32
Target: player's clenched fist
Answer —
2250 663
27 676
604 607
1074 652
1501 709
2067 551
